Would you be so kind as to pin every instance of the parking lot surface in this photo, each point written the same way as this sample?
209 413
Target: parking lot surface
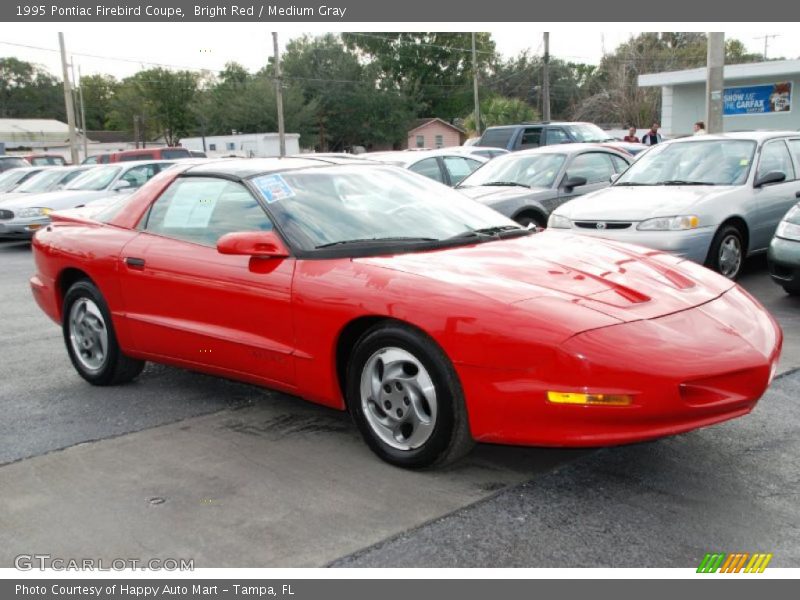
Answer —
183 465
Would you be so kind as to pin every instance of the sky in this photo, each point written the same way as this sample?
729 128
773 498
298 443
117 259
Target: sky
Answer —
122 49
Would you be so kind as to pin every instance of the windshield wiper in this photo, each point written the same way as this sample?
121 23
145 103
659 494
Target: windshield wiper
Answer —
492 232
508 183
683 182
376 240
632 183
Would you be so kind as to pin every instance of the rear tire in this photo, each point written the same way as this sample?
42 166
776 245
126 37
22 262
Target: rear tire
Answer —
91 340
727 252
405 397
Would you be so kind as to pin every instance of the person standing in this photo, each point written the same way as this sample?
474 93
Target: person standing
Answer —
652 137
631 137
699 128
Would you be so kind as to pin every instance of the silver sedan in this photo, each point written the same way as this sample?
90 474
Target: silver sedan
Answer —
713 199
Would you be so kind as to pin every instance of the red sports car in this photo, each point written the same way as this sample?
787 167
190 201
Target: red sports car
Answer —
434 320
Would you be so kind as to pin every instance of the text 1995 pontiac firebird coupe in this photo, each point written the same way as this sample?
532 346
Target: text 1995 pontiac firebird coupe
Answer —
434 320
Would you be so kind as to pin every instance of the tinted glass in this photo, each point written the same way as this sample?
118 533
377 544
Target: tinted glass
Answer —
429 168
531 138
142 156
138 176
203 209
497 137
530 170
175 153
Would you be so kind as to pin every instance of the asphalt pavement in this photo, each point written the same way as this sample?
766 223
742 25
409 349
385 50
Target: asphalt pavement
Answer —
184 465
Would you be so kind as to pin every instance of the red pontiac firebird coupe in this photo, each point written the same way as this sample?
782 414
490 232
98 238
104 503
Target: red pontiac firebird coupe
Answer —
434 320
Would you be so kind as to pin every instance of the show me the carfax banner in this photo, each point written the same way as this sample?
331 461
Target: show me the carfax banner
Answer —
428 11
758 99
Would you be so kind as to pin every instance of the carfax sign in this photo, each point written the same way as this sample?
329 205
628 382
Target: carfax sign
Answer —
758 99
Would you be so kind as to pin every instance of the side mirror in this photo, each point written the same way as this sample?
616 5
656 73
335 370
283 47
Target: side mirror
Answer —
121 185
771 177
261 244
573 182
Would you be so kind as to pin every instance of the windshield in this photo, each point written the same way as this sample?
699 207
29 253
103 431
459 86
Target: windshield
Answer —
709 162
43 182
333 205
586 132
528 170
96 179
10 179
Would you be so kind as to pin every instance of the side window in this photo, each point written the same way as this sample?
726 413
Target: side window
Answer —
212 147
459 167
429 168
231 146
203 209
138 176
420 140
775 157
556 136
594 166
531 138
619 163
145 156
439 141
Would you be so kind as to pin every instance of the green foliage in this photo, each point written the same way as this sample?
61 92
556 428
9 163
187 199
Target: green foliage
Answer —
28 91
98 95
501 111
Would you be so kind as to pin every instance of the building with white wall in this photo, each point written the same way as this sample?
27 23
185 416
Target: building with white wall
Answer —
757 96
260 145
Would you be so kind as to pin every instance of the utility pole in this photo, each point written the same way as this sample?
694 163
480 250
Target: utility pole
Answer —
73 147
766 42
83 115
715 81
546 78
279 94
475 87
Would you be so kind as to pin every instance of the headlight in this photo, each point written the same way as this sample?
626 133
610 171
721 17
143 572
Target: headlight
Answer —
669 223
27 213
559 222
788 231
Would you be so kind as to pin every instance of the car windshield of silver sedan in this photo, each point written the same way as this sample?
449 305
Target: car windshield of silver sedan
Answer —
42 182
374 205
96 179
589 133
531 170
10 179
701 162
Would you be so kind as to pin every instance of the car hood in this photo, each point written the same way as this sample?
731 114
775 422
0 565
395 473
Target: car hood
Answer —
55 200
636 203
493 194
622 281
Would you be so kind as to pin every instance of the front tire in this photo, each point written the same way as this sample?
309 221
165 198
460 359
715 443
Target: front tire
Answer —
91 340
727 252
405 397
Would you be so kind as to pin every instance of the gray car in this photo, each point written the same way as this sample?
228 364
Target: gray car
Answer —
20 217
528 185
714 199
47 180
446 165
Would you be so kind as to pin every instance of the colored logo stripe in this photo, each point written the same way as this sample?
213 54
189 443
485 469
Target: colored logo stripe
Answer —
734 563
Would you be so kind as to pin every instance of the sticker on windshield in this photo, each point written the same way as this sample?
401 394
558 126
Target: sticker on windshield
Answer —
744 162
273 188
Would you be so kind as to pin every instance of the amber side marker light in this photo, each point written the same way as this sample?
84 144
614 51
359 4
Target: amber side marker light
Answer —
595 399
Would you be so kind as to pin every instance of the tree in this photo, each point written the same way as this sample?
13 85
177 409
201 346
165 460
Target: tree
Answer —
98 95
501 111
28 91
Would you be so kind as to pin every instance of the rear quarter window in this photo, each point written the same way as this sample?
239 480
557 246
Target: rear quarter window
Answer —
497 138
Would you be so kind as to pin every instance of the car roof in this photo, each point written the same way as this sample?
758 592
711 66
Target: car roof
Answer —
756 136
542 123
242 168
569 149
408 157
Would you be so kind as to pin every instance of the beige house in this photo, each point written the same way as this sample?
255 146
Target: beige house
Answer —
434 133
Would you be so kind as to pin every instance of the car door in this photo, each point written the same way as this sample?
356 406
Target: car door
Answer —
531 138
430 168
595 167
458 167
775 199
186 301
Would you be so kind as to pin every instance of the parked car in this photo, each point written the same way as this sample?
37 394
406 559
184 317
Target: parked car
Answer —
533 135
197 154
97 159
46 160
23 215
485 152
11 179
12 162
783 255
46 180
445 166
528 185
714 199
154 153
434 320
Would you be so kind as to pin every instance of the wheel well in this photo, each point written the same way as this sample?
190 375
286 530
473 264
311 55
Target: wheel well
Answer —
741 225
532 213
66 279
347 341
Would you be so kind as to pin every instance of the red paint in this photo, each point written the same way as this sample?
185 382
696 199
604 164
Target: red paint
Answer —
517 318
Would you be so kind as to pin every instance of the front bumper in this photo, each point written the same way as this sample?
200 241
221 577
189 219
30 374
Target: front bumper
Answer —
685 370
22 228
784 262
692 244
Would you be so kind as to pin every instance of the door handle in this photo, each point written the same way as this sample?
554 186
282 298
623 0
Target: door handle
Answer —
134 263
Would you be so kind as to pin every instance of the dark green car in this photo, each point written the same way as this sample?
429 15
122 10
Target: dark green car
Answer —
784 253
